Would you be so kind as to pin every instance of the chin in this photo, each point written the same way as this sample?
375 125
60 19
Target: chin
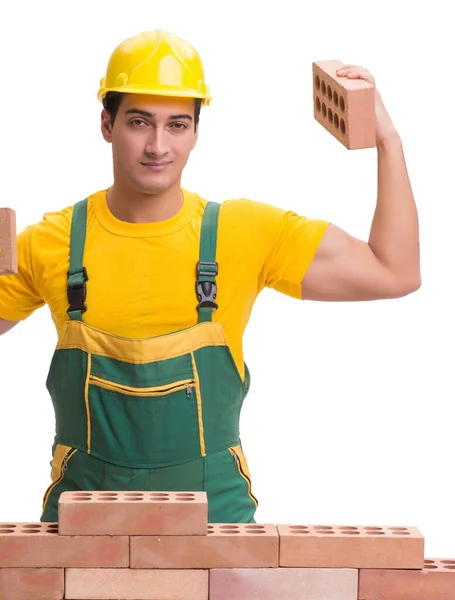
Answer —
152 187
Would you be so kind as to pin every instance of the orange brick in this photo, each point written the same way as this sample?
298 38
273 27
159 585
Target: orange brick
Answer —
344 107
31 584
436 581
132 584
338 546
133 513
39 545
224 546
8 243
283 584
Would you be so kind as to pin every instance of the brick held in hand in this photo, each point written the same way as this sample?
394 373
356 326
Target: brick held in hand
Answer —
344 107
8 242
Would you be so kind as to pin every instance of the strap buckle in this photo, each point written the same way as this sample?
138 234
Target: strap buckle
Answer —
206 290
77 293
202 270
206 294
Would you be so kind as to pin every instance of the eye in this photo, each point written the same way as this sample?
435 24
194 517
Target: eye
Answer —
179 126
137 122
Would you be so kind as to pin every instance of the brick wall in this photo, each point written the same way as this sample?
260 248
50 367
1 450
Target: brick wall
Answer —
160 546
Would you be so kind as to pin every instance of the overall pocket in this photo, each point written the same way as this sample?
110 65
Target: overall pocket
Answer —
143 426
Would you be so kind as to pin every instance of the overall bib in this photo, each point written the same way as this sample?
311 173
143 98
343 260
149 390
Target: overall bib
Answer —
154 414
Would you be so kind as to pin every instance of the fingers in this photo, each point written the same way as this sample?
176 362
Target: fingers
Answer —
355 72
346 69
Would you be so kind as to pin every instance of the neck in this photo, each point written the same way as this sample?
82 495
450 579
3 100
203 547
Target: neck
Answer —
140 207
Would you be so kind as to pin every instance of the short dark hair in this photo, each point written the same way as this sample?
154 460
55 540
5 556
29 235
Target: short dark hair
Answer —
112 101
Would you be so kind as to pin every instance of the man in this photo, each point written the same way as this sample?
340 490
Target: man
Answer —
150 288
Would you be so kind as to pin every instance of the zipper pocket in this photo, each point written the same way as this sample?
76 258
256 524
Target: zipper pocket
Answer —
63 467
162 390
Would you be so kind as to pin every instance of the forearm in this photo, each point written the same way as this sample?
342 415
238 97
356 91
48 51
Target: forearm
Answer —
394 235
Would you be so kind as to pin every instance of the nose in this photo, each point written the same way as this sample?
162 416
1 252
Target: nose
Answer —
157 143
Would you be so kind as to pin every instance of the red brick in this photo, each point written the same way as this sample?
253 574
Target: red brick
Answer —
283 584
336 546
39 545
436 581
344 107
133 513
136 584
8 242
31 584
224 546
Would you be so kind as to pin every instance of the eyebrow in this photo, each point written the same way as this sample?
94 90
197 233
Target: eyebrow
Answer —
146 113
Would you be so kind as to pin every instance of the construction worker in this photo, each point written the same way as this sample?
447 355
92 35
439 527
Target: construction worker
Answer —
151 286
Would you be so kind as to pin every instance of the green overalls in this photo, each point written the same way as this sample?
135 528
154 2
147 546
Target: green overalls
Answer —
160 413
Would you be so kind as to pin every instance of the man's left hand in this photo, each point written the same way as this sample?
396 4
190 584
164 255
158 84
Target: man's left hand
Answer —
385 129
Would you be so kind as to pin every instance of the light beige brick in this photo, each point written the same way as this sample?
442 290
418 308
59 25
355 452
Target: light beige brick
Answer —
283 584
136 584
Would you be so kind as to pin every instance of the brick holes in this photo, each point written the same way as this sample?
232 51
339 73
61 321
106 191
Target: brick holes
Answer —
439 564
29 528
133 496
332 98
236 529
348 530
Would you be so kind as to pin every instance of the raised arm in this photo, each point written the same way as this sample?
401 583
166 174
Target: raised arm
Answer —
388 265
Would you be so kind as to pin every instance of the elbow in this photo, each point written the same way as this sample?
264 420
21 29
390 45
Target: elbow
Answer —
417 283
407 285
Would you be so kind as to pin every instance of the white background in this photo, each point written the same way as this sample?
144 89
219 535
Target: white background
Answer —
350 415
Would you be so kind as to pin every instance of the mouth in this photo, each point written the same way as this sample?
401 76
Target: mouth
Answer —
156 166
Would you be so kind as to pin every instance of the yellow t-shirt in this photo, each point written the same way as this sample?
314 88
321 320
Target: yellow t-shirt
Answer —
142 275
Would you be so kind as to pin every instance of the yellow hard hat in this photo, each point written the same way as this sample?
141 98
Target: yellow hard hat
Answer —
155 62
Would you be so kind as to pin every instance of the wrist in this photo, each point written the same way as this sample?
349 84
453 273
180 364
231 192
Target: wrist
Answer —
390 141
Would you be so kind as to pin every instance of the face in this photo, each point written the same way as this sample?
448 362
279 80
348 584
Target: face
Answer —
152 138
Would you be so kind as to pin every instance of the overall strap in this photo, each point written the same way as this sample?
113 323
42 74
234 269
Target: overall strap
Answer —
207 267
77 274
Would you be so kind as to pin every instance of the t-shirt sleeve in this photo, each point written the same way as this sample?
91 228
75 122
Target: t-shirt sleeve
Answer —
287 243
19 297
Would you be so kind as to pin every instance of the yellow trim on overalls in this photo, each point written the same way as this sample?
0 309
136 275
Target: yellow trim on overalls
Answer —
199 406
243 469
77 334
62 454
160 390
87 403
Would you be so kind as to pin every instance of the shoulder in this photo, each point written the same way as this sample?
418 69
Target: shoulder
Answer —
56 224
262 216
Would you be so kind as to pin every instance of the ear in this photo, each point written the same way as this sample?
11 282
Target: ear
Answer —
196 135
106 127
